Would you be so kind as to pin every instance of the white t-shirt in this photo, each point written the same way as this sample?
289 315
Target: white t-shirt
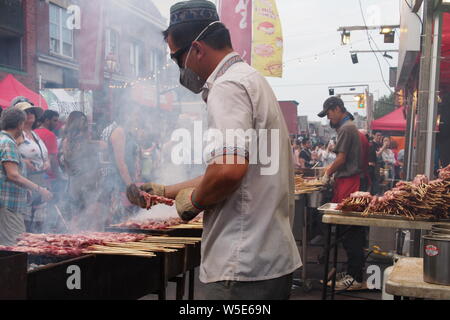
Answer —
249 236
34 149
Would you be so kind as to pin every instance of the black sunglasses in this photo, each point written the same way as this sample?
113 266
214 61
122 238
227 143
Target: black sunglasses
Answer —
177 55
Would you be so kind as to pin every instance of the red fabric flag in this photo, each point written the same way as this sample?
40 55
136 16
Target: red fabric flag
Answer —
237 16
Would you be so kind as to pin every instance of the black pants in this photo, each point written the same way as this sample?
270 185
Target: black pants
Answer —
354 241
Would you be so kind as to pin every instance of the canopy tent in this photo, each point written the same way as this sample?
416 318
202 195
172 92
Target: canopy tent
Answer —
394 121
11 88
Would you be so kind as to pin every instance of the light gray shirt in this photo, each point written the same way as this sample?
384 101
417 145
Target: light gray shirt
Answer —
249 236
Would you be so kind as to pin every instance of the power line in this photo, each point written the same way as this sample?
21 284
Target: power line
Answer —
370 44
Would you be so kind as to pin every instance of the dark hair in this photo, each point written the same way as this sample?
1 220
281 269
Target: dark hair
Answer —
48 115
305 141
11 118
217 36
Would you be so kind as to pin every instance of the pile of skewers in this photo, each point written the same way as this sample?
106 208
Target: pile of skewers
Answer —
420 198
143 248
75 245
304 186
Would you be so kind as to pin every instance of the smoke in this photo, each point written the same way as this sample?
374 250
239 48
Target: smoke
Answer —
145 101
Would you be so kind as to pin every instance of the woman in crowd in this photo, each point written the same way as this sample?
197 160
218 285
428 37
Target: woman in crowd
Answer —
328 156
80 159
14 185
121 163
388 157
297 148
35 156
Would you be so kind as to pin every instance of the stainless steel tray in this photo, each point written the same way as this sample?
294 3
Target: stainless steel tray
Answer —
330 208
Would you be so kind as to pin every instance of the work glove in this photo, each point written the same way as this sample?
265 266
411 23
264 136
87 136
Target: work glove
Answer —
154 189
135 197
185 206
326 179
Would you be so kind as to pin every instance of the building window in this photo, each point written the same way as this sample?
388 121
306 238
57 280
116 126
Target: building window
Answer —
61 37
10 51
136 61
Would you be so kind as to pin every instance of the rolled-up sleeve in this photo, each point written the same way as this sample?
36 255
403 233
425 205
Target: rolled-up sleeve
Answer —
230 119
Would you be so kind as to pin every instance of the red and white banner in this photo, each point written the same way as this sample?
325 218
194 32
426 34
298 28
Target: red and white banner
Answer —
237 16
91 45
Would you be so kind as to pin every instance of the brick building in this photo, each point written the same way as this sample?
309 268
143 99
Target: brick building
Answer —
18 32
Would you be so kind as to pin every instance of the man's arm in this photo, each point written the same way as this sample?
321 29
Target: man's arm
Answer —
172 191
221 180
339 162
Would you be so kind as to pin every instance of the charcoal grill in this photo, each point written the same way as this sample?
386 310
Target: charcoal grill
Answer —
13 276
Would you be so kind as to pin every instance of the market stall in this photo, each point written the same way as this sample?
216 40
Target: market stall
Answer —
416 205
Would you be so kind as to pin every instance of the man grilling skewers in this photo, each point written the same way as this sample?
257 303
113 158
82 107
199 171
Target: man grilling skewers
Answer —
248 249
346 170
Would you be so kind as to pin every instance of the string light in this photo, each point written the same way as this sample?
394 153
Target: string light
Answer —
139 80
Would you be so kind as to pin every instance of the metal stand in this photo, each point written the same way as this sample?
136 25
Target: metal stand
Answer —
304 282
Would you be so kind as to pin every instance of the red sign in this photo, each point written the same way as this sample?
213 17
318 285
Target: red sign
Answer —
431 250
91 45
237 16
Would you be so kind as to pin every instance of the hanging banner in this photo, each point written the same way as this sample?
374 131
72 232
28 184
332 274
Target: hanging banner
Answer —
237 16
91 50
267 51
65 101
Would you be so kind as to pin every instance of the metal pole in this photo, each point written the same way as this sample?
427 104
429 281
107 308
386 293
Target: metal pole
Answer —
433 96
424 88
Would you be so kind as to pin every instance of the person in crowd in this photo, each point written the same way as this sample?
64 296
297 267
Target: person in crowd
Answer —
365 150
296 154
35 156
248 249
346 170
305 154
80 158
378 140
48 123
121 162
328 155
373 168
14 185
388 158
401 163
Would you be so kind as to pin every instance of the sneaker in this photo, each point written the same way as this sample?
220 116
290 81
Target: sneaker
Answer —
339 277
348 284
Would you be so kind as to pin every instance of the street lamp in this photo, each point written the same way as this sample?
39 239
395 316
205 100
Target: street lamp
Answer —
111 63
345 37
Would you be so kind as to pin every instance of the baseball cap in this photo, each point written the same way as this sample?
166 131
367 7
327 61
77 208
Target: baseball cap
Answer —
331 103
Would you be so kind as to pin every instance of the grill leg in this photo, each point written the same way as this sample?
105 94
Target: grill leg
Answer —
191 284
335 259
327 261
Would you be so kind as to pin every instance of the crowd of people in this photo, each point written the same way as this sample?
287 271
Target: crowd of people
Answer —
384 160
56 178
